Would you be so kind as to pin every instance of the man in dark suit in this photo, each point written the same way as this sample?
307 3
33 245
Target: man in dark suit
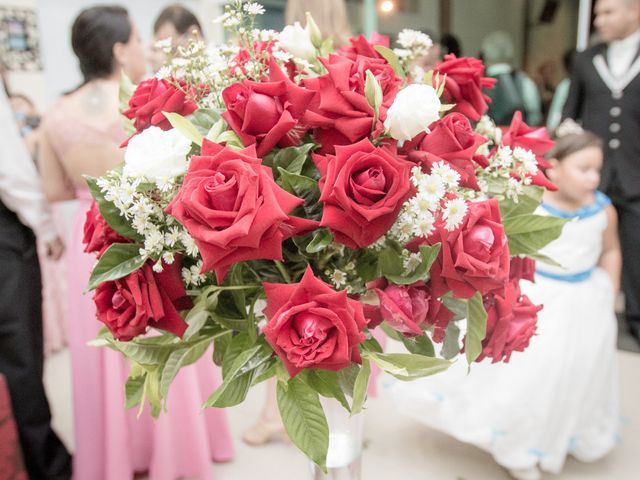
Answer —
605 97
23 211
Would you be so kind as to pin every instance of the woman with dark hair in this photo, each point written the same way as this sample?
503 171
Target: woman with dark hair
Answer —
82 133
176 23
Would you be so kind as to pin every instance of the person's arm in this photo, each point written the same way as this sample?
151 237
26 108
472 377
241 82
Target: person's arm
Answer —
531 101
575 98
611 258
55 183
20 188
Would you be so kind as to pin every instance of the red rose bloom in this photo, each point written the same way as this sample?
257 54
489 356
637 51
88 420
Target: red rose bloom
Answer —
310 325
339 111
98 234
522 268
475 256
232 207
464 83
154 96
362 188
535 139
361 46
142 299
453 141
409 309
267 113
511 322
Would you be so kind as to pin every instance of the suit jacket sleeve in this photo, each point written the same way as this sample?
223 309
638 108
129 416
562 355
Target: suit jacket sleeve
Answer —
20 188
575 98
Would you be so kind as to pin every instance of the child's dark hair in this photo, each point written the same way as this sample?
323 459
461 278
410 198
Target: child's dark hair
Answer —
572 143
180 17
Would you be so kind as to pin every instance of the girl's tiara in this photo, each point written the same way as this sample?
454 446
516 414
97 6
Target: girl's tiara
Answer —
568 127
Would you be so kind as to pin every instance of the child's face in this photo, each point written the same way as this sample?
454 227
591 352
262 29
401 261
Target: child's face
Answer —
578 175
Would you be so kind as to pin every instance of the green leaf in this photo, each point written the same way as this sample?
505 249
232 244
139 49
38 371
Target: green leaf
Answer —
371 344
195 319
529 233
304 419
110 212
457 306
476 328
527 203
118 261
145 354
408 366
204 119
305 188
545 259
322 238
181 358
390 263
220 345
291 159
152 392
268 371
347 378
373 94
134 390
421 345
367 265
429 253
185 127
451 344
390 56
327 384
360 387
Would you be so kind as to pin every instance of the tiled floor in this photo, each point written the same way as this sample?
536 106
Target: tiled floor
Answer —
396 449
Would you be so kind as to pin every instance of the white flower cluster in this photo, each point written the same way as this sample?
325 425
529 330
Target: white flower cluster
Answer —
345 277
514 168
414 45
193 275
488 129
433 200
142 205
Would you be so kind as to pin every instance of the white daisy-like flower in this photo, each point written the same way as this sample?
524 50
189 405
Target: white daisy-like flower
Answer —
527 159
231 21
413 39
163 73
189 244
421 204
411 261
424 225
253 8
402 52
449 176
282 55
454 212
432 186
164 44
157 267
168 257
153 240
503 158
187 276
339 278
417 175
514 189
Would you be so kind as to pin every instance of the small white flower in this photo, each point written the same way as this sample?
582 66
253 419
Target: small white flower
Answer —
449 176
411 261
339 278
402 52
421 204
432 187
189 244
283 56
157 155
528 160
413 39
168 257
163 73
172 236
424 225
503 158
186 276
454 212
164 44
296 40
157 267
514 189
253 8
412 111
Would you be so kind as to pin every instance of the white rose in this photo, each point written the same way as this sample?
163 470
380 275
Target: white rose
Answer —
156 154
412 111
296 40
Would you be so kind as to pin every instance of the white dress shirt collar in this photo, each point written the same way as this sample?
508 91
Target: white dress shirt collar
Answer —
621 53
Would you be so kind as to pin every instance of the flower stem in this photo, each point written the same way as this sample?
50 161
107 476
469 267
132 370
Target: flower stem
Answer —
283 271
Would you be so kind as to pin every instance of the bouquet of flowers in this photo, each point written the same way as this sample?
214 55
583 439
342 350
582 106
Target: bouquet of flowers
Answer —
280 201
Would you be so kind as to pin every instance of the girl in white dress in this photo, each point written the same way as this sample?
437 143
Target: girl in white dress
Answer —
560 396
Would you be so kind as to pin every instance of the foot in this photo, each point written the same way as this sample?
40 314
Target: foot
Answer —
265 431
531 473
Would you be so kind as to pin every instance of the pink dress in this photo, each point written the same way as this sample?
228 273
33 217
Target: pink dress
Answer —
110 442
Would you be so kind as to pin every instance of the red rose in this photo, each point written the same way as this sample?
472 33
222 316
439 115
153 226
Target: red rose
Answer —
143 299
98 234
473 257
361 46
340 111
362 188
511 322
232 207
313 326
154 96
266 113
453 141
463 85
535 139
522 268
409 309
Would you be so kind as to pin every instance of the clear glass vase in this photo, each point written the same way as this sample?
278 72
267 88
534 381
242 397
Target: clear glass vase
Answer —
345 444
